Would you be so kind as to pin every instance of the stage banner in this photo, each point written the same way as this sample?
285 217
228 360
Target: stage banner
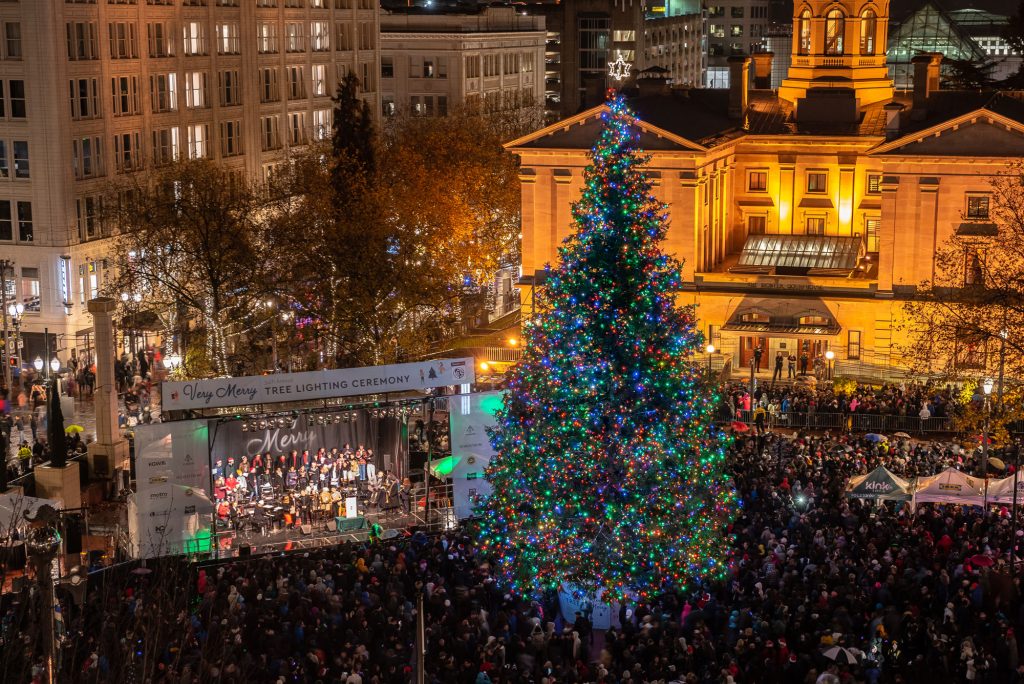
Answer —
470 417
344 382
171 511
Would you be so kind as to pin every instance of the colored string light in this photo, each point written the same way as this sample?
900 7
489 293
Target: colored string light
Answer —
610 472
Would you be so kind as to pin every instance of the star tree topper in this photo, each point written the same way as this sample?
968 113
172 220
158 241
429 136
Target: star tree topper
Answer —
619 69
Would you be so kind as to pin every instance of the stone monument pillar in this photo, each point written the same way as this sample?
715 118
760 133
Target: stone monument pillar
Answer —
110 450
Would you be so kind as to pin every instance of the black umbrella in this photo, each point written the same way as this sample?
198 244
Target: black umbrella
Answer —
55 435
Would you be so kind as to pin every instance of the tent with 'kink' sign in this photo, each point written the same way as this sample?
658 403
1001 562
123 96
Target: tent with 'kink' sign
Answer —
880 485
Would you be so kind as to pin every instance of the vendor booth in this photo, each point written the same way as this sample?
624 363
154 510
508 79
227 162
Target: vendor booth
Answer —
1001 491
879 485
951 486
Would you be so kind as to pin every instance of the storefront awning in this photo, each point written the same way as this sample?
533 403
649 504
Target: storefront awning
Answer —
800 254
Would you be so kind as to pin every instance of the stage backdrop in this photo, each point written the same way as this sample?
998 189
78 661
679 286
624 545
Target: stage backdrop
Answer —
384 435
325 384
471 415
171 512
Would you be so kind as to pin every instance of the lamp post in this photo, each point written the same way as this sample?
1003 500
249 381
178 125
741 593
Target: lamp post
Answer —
1013 517
710 349
1003 334
830 357
14 311
986 386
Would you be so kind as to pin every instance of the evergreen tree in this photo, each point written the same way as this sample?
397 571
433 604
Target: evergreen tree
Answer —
352 139
609 472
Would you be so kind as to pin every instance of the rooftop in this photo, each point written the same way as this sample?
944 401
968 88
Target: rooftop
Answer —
486 20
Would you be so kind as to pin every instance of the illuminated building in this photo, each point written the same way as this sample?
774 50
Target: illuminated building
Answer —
805 218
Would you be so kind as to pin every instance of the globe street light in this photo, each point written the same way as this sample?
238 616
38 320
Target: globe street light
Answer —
710 349
830 357
38 363
54 364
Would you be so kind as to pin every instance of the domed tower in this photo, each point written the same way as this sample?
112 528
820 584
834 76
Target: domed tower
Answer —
839 45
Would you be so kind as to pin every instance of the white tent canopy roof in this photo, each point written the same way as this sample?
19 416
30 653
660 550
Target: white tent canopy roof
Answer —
950 486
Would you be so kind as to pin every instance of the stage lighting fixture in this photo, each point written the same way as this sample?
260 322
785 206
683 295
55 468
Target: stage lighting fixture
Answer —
245 427
263 425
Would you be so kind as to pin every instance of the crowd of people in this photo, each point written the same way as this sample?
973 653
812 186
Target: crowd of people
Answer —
902 591
268 492
912 400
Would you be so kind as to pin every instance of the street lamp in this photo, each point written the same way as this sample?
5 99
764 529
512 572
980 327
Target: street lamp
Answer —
986 386
710 349
829 358
15 311
38 364
54 364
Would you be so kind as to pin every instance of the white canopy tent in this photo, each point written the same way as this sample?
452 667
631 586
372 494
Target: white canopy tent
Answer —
1001 491
950 486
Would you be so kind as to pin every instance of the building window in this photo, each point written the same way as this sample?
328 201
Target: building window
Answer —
270 132
874 184
757 181
230 138
127 152
736 30
17 89
755 317
194 33
817 181
159 37
293 37
805 33
163 91
320 36
88 210
296 86
195 89
123 44
85 157
30 294
125 95
815 225
835 25
757 225
296 128
166 145
6 225
85 98
974 267
227 39
21 165
268 85
472 67
81 40
198 140
266 37
12 37
318 74
977 207
853 345
868 23
871 227
25 235
229 86
322 123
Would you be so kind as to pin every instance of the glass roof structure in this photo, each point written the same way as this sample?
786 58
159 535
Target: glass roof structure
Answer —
928 29
798 254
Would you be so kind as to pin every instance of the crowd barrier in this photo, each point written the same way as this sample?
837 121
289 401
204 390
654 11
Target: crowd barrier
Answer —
854 422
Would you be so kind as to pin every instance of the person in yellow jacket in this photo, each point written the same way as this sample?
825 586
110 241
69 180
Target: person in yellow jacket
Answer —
24 457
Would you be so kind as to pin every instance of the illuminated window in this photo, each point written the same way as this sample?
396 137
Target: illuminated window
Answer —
835 25
872 226
757 225
815 225
805 32
755 317
817 181
868 24
874 184
815 320
757 181
853 345
977 206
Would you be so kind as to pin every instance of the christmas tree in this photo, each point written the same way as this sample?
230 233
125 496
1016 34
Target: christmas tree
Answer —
609 472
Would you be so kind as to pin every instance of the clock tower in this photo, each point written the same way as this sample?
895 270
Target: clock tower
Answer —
839 46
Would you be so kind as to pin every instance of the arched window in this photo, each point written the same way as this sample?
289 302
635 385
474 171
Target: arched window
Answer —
835 25
805 32
868 24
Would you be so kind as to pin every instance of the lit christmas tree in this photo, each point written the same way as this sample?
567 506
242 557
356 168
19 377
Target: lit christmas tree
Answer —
610 472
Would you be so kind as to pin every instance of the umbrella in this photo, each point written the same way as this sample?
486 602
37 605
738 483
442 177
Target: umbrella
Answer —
843 656
996 463
72 429
141 571
875 437
739 426
902 435
981 560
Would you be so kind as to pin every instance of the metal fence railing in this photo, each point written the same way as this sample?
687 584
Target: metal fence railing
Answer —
855 422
